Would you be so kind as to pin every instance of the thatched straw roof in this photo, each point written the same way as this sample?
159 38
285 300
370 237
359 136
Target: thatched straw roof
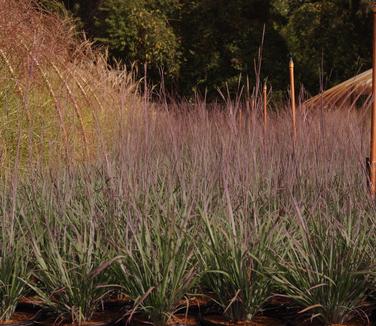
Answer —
346 93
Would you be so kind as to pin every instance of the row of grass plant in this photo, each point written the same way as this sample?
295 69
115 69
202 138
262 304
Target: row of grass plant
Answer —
73 245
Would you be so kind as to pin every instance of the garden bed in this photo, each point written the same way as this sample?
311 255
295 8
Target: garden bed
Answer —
279 312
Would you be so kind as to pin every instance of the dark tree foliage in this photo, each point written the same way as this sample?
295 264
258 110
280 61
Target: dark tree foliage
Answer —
207 44
221 39
331 40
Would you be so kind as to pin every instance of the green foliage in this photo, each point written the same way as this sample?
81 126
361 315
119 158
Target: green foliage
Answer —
14 271
69 259
15 266
225 42
205 45
138 33
329 39
237 260
158 268
326 267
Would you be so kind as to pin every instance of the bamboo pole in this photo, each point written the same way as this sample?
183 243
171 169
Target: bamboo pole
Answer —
265 95
372 168
292 96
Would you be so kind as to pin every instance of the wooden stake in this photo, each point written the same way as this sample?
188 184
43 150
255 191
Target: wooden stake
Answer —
292 96
372 168
265 93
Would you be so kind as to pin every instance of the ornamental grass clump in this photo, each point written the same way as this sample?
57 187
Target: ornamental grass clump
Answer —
15 267
14 272
60 99
236 258
327 266
158 266
372 279
70 258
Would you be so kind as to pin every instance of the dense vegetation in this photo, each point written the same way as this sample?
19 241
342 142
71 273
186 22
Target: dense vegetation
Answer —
204 44
197 204
110 199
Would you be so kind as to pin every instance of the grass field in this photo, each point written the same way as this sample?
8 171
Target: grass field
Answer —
106 194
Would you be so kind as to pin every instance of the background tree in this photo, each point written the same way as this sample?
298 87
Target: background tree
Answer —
137 32
329 39
206 44
225 41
